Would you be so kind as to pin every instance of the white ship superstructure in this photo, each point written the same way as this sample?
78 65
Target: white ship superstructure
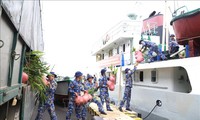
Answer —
174 82
117 41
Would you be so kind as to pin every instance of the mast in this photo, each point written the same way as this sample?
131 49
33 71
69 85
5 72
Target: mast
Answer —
165 30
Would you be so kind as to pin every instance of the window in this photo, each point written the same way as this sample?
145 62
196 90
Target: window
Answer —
153 76
118 50
124 47
141 76
102 56
98 57
110 53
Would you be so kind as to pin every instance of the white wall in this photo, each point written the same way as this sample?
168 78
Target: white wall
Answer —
166 77
163 79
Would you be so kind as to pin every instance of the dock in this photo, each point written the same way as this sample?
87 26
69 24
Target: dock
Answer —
113 115
92 110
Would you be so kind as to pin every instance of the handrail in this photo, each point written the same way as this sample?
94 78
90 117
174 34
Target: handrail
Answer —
174 14
150 86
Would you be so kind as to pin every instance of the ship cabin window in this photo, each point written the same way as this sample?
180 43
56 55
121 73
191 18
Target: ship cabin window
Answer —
153 76
118 50
102 56
141 76
110 53
98 57
124 47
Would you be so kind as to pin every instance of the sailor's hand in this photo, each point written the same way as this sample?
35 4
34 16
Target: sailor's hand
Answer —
135 67
96 85
48 83
85 91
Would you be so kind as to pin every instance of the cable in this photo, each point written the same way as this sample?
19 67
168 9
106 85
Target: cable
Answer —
150 112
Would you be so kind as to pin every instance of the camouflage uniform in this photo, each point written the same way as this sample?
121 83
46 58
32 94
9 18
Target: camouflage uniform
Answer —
84 110
88 86
127 92
152 48
173 47
95 79
104 95
49 103
75 86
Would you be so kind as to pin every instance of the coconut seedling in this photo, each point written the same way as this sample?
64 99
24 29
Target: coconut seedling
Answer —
36 70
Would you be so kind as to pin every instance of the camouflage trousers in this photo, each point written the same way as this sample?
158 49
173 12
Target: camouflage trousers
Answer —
157 51
80 111
100 107
126 98
51 110
104 96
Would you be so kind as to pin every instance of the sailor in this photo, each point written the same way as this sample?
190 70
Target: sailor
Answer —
84 106
152 48
76 87
104 95
95 79
49 103
173 45
90 85
127 91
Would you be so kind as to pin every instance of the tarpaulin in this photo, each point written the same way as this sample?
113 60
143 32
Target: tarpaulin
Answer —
30 25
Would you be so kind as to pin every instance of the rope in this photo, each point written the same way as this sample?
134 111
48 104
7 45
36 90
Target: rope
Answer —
150 112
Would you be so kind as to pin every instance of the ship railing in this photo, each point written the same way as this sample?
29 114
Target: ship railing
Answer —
180 11
126 28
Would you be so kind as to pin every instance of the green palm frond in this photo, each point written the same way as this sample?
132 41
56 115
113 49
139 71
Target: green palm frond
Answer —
36 69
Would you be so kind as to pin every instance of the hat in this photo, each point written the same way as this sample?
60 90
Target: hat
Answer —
126 70
78 74
140 41
103 71
172 35
89 76
52 73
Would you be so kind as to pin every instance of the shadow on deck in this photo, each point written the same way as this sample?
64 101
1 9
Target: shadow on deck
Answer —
60 112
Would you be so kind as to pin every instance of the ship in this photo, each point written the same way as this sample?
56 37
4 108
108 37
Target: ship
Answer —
162 90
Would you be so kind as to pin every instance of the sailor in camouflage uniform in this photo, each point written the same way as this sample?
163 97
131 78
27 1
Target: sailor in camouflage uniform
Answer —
173 45
127 91
76 87
152 48
49 103
90 85
84 110
104 95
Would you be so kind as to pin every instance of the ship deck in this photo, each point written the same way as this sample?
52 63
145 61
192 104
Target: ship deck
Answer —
185 62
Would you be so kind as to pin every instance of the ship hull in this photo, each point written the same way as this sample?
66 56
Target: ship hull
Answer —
176 86
175 106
